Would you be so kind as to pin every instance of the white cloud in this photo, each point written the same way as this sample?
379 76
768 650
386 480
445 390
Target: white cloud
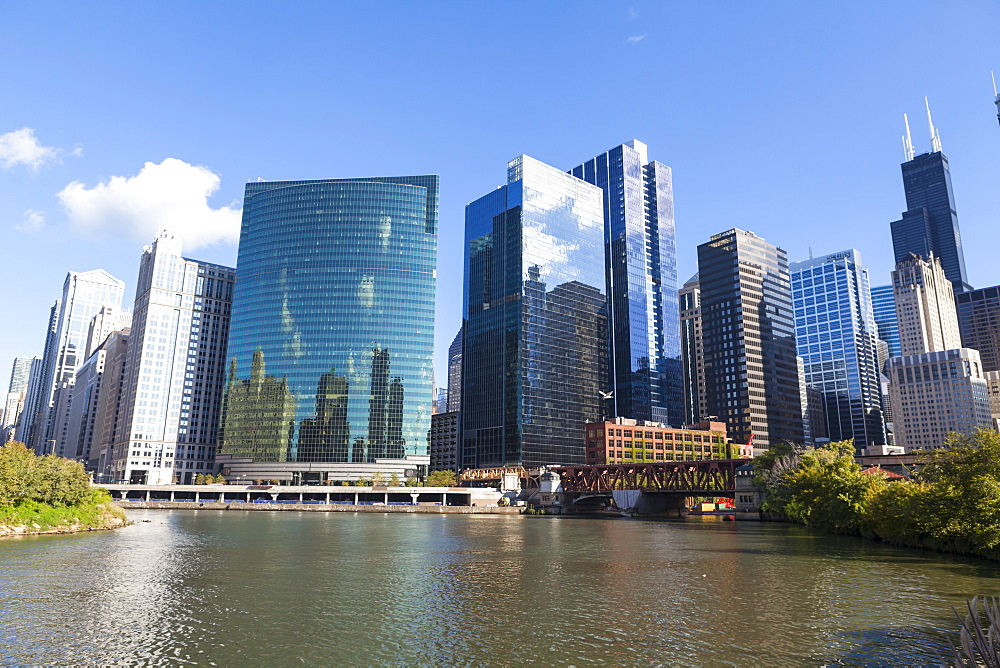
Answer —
21 147
632 13
34 221
171 195
635 38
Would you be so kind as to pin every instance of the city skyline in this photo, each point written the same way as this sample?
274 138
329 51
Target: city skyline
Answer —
823 103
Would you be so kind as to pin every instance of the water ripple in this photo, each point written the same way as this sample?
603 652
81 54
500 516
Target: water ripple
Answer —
216 588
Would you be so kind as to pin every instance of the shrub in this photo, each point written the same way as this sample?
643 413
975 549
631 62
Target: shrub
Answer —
50 479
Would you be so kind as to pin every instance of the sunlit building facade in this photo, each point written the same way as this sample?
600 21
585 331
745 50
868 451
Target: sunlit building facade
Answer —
84 295
330 352
535 315
641 256
837 339
748 331
174 368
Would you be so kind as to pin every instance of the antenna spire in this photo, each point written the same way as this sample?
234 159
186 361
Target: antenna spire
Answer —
907 141
996 95
935 135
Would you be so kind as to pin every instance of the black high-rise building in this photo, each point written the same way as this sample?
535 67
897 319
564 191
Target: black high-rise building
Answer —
979 323
930 222
748 334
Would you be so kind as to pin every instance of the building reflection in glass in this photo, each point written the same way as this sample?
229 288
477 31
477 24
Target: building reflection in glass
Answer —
336 291
258 414
536 340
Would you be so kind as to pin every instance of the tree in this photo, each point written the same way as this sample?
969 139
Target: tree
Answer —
377 479
199 479
18 467
50 479
441 479
220 479
411 481
394 480
963 491
821 487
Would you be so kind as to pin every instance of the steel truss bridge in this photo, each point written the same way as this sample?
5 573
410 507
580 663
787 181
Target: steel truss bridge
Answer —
693 478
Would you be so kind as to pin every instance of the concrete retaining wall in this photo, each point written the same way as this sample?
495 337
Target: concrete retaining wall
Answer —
320 507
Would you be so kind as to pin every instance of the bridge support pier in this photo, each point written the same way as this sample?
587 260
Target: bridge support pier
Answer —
652 503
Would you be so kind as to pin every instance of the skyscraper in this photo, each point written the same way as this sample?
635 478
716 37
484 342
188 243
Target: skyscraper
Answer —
930 223
455 374
174 367
331 348
110 418
19 374
884 308
535 316
937 393
641 283
979 323
748 333
837 339
996 98
925 306
84 295
22 388
693 353
937 386
32 398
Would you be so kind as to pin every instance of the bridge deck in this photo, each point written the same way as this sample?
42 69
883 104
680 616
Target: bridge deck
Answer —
690 477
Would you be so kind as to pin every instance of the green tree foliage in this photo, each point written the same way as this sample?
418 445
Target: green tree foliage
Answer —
826 488
394 480
50 480
441 479
952 504
199 479
411 481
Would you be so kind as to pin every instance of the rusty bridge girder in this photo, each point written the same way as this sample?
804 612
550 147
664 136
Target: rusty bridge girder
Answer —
706 476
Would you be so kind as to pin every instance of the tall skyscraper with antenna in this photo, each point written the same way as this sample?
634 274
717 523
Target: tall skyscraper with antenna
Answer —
930 223
996 96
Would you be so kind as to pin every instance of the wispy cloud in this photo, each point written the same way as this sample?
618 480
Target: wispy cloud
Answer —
632 13
33 221
635 38
171 195
21 147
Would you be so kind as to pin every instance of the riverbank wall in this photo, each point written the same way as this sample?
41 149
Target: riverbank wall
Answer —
319 507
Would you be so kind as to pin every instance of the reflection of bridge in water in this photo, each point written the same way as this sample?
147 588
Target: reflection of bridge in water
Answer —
690 478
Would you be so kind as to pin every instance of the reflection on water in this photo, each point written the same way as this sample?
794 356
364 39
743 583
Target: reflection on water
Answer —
212 587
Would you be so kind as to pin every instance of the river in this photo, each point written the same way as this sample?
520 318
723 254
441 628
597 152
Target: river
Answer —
262 588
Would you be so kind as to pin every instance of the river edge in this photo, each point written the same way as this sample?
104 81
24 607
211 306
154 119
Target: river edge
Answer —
317 507
14 531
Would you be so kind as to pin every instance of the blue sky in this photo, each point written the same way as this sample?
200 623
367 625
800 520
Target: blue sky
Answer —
779 117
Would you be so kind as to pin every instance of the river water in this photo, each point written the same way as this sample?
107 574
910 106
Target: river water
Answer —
279 588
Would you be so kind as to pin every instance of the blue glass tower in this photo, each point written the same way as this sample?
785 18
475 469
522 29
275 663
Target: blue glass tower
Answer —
332 334
641 274
884 307
837 338
535 319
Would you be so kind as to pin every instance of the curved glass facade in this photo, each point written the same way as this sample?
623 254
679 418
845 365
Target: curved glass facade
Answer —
332 335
